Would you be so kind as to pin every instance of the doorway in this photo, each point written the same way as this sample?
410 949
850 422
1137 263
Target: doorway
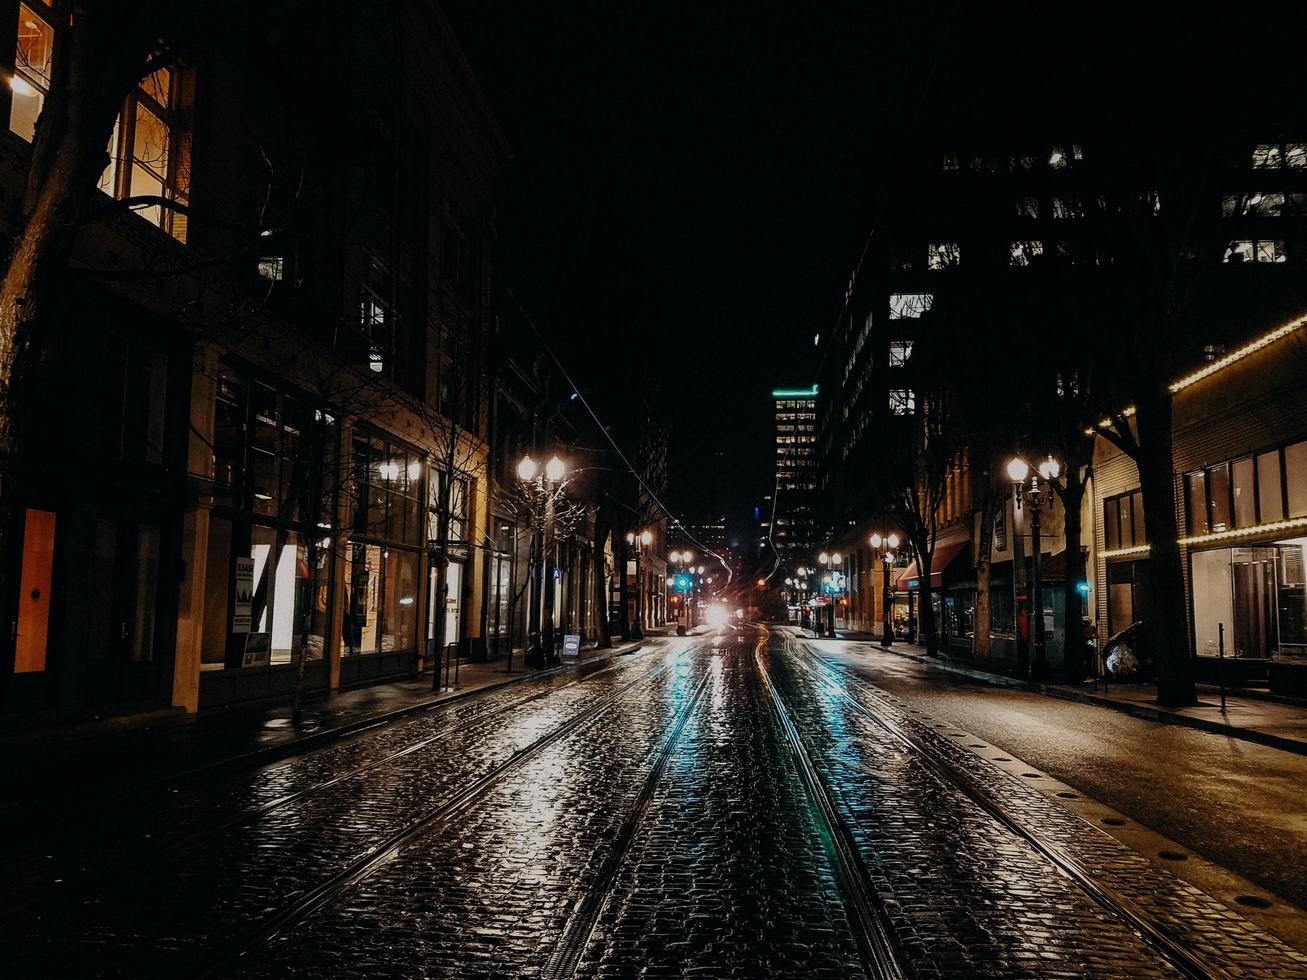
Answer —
122 607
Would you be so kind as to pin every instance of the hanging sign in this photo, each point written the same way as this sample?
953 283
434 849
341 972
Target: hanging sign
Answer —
243 608
572 645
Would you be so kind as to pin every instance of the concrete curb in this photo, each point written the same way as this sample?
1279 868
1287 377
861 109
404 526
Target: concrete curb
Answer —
1144 711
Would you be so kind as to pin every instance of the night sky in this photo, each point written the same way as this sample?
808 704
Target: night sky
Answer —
694 181
685 201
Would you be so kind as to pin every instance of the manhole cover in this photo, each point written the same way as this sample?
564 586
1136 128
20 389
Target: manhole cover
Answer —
1172 856
1252 901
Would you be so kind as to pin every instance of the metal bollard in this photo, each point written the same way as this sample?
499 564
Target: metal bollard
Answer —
1220 661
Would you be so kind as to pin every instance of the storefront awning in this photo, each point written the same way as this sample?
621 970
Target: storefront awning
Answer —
945 555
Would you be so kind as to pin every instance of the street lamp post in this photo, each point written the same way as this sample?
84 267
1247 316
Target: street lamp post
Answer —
833 560
640 542
883 547
543 485
1035 496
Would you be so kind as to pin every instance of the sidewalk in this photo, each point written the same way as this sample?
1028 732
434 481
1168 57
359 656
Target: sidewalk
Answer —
1252 719
116 755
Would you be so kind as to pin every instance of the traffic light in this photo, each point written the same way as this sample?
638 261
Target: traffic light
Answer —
683 582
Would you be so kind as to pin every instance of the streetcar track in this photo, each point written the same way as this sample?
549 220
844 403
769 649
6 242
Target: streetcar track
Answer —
581 923
15 913
873 932
385 851
1156 936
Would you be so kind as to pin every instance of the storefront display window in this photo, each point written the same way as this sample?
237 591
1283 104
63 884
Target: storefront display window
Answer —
382 556
1250 602
270 547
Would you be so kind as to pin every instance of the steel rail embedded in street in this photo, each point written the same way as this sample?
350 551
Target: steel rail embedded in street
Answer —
1155 934
581 923
872 930
381 853
14 913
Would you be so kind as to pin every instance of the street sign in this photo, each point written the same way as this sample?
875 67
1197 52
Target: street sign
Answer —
243 608
572 645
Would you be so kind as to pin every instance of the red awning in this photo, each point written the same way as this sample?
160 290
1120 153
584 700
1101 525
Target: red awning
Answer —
944 555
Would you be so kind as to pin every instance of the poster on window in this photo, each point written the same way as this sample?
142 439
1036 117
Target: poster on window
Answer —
258 650
243 608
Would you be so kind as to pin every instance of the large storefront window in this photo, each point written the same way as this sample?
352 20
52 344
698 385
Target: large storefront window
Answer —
1248 491
270 545
1252 599
382 555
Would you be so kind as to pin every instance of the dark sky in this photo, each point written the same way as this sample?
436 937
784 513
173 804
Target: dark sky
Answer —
685 201
693 181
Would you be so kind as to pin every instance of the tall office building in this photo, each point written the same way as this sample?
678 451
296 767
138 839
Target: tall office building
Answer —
792 520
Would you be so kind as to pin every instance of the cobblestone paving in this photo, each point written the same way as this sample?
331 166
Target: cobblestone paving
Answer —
1051 917
168 906
490 896
728 871
729 876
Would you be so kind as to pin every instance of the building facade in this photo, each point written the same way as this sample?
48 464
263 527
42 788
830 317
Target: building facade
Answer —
792 526
275 391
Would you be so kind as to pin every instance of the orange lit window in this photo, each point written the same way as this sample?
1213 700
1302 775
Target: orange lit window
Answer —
149 152
30 82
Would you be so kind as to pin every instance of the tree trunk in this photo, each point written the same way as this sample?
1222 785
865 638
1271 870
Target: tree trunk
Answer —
1073 644
926 612
980 638
89 78
623 588
1164 623
603 637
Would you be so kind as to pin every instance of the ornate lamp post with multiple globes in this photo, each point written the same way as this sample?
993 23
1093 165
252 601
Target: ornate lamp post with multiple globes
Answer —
1036 496
542 487
883 548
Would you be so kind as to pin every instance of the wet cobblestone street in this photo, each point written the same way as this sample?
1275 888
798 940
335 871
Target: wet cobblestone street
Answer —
653 817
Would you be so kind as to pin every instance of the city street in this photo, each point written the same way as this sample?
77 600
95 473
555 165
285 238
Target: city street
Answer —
735 804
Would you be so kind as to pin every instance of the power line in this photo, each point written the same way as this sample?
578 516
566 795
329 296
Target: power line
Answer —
676 521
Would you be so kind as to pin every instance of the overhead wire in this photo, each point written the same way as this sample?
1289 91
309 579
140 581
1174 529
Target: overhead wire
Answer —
580 396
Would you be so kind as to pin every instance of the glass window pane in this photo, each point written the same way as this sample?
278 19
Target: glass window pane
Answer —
1111 526
1197 493
1295 478
1218 493
33 51
400 602
1269 500
150 147
1137 510
359 618
1245 509
1123 516
217 584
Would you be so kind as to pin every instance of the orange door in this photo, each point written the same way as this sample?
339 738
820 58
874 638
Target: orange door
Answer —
34 592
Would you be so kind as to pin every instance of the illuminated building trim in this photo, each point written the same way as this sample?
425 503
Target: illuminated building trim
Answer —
1141 549
1238 355
795 392
1293 524
1222 363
